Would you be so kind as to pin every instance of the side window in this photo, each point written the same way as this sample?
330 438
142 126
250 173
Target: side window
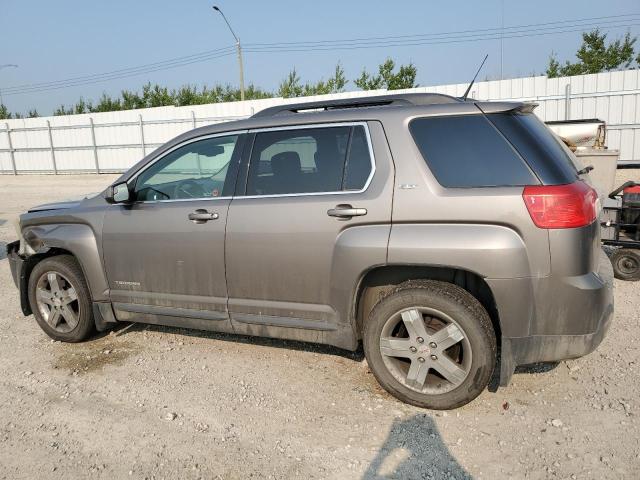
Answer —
467 151
327 159
359 162
196 170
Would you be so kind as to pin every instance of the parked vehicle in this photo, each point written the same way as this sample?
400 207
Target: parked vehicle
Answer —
621 230
450 236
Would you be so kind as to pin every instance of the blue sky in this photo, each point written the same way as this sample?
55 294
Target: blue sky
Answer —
58 40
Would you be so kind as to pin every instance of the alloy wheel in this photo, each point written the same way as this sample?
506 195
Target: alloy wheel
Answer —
57 301
425 350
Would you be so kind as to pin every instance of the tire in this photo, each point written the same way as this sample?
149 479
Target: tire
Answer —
60 299
626 264
449 315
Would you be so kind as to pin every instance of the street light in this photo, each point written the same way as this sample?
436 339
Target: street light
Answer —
6 65
217 9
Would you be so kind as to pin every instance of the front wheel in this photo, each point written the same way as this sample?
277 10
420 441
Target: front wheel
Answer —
60 299
431 344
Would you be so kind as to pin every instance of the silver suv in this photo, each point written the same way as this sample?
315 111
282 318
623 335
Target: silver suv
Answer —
452 237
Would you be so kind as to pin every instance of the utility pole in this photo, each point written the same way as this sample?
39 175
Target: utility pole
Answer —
239 47
6 65
501 38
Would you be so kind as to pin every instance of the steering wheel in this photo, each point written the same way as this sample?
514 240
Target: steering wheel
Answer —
188 189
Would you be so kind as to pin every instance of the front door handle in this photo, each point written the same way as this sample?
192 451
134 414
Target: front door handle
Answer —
345 212
202 216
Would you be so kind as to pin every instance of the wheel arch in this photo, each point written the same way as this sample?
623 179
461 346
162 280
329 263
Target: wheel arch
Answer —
75 239
379 280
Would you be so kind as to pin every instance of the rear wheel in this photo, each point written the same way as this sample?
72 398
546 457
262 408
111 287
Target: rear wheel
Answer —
60 299
626 264
431 344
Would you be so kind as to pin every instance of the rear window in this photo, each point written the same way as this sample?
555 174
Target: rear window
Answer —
468 151
542 150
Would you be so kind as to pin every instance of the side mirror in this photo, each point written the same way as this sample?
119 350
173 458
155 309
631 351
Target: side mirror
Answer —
118 193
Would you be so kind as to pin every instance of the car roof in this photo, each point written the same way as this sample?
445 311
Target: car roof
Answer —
359 109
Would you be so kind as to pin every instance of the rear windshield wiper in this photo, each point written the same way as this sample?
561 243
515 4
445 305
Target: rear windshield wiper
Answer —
586 169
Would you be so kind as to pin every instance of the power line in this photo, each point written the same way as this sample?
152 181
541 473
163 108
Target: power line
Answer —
103 79
178 61
519 31
420 43
440 40
575 22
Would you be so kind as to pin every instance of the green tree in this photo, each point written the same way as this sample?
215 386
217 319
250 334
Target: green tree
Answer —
62 110
334 84
292 87
553 69
33 113
187 95
131 100
105 104
595 56
405 77
255 93
156 96
82 107
5 114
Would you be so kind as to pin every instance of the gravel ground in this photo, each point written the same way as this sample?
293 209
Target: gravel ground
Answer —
152 402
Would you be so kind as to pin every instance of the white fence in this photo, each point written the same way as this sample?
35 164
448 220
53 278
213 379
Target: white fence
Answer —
113 141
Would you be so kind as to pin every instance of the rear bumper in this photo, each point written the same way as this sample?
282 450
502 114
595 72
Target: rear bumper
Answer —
583 308
19 274
549 348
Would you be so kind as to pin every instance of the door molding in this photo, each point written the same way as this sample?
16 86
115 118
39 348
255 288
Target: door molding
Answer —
171 311
289 322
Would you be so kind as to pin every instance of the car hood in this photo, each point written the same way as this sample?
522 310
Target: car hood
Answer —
71 203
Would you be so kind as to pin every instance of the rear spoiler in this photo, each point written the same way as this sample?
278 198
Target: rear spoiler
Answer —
506 107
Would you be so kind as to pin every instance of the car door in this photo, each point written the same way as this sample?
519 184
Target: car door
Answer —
164 253
306 189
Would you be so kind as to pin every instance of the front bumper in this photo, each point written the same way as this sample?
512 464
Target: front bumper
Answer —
19 272
592 307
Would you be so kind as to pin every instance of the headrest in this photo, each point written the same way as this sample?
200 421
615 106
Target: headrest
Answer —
286 163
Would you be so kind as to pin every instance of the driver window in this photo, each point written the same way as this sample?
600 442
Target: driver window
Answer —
196 170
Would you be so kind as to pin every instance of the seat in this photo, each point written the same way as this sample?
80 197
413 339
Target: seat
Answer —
287 173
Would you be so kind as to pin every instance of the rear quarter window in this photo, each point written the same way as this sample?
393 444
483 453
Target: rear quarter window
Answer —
467 151
542 150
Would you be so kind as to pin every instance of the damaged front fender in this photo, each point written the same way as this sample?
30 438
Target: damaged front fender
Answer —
74 238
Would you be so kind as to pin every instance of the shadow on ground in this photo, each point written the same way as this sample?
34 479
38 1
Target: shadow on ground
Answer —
415 449
537 368
3 250
357 356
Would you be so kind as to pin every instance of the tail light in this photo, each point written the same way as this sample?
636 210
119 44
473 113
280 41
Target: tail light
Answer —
561 206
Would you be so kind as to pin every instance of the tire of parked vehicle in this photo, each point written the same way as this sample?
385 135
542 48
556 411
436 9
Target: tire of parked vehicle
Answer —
60 299
626 264
430 344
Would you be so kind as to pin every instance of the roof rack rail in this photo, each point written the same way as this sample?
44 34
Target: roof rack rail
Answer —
402 99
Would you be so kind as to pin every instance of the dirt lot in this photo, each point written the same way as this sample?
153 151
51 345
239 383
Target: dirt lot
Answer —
150 402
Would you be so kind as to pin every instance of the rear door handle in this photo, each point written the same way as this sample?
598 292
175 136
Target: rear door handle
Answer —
346 211
202 216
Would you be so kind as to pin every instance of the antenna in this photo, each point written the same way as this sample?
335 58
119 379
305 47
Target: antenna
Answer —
464 97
